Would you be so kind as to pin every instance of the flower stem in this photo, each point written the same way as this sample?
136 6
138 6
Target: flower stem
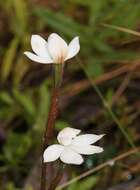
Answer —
56 180
48 134
58 74
52 115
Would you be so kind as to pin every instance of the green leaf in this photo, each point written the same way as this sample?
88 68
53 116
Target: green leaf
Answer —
84 184
94 68
11 186
26 102
87 184
61 125
63 24
6 98
16 147
21 16
43 107
9 59
19 70
109 95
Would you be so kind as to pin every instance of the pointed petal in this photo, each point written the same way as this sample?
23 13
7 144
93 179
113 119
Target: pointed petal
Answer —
57 47
52 153
73 48
66 135
36 58
39 46
87 150
86 139
68 156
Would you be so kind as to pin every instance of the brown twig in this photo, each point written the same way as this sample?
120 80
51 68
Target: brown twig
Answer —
53 112
121 89
81 85
99 167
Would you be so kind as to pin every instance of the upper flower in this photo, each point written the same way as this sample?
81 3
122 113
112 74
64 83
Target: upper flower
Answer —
71 146
55 50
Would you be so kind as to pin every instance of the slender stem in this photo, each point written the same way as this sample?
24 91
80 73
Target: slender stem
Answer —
108 108
99 167
53 112
112 114
56 180
58 74
48 134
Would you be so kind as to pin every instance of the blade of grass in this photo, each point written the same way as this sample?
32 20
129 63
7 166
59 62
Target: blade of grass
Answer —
99 167
9 59
122 29
108 108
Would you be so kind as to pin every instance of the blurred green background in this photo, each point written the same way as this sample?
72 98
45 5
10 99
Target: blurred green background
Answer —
109 57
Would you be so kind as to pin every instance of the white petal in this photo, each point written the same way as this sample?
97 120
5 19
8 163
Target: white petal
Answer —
52 153
87 150
39 46
57 47
36 58
68 156
73 48
66 135
86 139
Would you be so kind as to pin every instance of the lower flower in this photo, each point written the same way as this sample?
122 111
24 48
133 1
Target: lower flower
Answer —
72 146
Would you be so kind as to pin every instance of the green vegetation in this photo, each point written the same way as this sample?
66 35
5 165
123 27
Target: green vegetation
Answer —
109 58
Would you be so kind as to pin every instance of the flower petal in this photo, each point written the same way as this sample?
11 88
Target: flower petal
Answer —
73 48
86 139
66 135
57 47
36 58
87 150
68 156
52 153
39 46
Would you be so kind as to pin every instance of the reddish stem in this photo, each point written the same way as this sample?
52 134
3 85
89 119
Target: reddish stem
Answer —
56 180
48 134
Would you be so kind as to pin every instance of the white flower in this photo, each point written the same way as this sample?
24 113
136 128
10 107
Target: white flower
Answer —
72 146
55 50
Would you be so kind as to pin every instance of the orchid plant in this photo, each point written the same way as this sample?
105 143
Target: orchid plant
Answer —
71 144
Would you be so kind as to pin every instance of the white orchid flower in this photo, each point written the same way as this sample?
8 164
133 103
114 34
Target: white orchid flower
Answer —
72 146
55 50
